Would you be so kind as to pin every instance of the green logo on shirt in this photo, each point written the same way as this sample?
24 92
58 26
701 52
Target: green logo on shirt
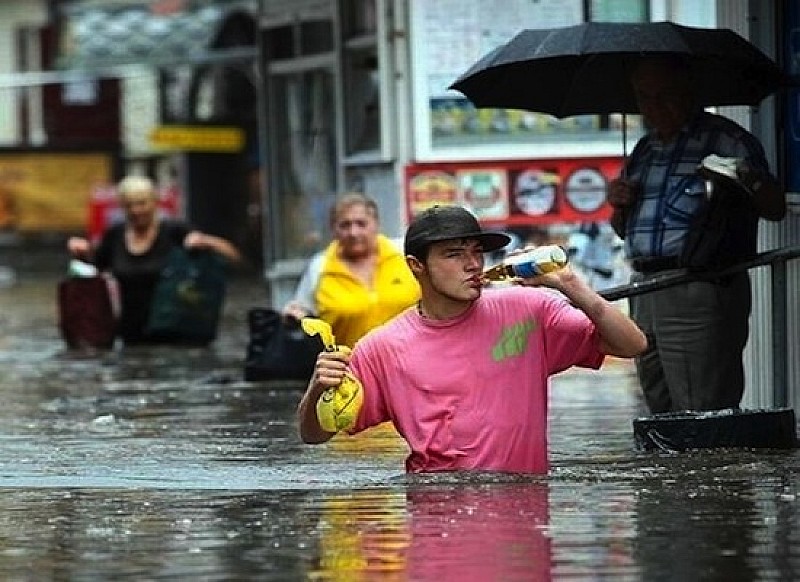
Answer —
513 340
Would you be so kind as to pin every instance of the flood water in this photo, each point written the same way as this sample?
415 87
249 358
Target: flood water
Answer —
163 464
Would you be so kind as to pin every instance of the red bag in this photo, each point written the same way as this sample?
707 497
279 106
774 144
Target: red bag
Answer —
86 313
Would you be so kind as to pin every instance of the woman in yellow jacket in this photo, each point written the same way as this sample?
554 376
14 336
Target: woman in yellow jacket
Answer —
360 280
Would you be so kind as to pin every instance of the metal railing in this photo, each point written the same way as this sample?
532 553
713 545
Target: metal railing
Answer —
777 260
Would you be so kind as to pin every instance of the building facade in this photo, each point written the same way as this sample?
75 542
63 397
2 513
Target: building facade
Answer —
355 97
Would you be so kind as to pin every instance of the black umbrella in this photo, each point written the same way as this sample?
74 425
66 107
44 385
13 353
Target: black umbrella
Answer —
584 69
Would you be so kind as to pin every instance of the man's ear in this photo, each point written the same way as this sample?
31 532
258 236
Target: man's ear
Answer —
414 264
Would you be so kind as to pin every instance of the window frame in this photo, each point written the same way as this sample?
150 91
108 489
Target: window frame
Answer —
354 45
608 143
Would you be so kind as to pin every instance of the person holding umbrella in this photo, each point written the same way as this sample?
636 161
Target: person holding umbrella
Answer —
690 196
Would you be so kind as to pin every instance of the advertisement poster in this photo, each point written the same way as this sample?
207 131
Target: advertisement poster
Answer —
516 192
50 191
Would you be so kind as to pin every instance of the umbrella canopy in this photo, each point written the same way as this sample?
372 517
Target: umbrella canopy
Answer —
584 69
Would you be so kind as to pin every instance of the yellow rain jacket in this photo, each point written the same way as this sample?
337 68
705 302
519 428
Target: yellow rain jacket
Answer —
349 306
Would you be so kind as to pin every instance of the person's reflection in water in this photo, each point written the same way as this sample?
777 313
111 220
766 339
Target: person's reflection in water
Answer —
364 536
458 531
478 532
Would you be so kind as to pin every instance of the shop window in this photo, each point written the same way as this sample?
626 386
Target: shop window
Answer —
306 38
280 42
361 74
306 158
358 17
450 122
316 37
362 101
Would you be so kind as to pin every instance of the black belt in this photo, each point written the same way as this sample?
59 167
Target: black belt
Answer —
654 264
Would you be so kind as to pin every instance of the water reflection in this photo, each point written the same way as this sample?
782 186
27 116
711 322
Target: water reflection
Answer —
362 534
476 533
702 534
729 516
456 528
459 531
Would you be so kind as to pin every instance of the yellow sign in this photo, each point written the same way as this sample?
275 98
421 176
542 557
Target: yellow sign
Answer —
197 138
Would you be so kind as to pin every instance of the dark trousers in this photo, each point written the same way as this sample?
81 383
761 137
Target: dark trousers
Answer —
696 335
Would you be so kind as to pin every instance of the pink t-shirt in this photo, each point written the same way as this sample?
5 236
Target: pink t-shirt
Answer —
471 392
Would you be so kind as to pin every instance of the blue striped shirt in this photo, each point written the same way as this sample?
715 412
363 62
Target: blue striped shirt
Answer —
672 191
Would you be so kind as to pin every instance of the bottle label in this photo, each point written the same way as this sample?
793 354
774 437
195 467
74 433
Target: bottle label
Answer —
527 270
539 261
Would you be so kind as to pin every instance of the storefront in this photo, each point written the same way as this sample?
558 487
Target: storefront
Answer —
356 98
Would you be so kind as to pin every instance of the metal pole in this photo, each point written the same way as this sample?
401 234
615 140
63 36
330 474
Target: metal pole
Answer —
270 235
680 276
780 361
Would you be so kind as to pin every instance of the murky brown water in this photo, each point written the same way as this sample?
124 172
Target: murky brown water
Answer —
164 464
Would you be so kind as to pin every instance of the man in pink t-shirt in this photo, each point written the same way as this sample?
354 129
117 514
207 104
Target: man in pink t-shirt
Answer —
464 376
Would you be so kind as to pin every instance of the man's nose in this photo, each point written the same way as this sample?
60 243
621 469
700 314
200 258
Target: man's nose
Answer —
475 260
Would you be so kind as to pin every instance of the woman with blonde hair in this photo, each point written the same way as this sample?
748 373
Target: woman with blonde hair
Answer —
360 280
135 252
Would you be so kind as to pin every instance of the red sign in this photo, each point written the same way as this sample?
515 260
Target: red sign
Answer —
516 192
165 7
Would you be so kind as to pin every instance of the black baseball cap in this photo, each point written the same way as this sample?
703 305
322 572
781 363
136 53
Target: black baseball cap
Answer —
439 223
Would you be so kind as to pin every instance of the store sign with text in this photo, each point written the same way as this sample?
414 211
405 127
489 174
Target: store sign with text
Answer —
516 192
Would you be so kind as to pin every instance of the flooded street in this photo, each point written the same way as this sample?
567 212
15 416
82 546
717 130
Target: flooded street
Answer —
163 464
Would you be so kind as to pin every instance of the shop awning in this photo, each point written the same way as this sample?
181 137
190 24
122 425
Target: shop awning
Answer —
167 33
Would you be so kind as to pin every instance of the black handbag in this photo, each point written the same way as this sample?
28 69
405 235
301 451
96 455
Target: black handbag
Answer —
278 349
188 298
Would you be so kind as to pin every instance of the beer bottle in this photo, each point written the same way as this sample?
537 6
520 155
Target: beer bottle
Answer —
532 263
